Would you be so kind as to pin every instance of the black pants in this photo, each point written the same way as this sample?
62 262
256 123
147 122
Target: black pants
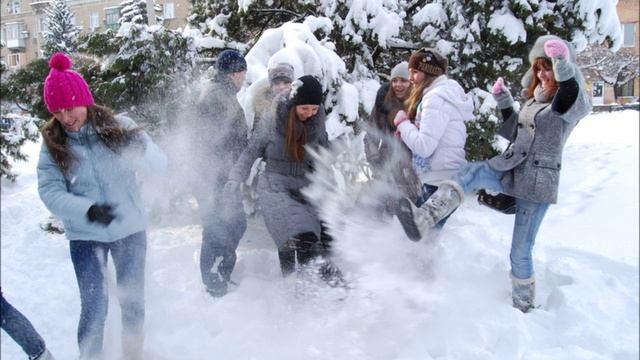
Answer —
303 247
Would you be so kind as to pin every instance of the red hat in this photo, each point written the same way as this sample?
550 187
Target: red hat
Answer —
63 87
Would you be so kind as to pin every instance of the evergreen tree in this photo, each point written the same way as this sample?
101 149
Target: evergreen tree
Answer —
61 34
140 70
134 12
15 130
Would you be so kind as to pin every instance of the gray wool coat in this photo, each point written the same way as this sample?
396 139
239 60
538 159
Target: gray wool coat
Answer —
286 212
532 162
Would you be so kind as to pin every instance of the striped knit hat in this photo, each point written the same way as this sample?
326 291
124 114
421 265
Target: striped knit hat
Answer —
429 61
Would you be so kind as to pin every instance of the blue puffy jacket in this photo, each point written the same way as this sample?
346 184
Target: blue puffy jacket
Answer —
99 175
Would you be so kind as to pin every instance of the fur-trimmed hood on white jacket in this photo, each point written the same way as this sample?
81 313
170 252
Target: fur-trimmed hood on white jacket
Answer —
438 136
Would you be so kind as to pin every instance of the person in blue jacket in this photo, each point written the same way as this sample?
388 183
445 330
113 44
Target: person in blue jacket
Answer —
88 173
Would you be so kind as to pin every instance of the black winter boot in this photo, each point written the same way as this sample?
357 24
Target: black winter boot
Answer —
287 256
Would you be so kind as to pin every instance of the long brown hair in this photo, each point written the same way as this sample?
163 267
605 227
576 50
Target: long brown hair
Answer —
411 104
101 118
538 63
296 139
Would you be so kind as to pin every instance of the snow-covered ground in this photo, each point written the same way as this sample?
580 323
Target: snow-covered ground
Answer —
448 300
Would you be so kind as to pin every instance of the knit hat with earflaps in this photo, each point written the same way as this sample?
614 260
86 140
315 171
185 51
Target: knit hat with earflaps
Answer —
63 87
565 71
429 61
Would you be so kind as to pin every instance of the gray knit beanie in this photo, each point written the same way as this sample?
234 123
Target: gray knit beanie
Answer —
281 71
400 71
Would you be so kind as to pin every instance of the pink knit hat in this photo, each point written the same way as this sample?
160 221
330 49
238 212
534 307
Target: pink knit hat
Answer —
63 87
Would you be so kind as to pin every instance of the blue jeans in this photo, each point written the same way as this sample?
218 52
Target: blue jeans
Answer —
220 237
20 329
529 214
427 191
90 264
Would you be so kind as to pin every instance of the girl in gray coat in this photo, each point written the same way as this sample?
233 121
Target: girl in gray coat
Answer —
293 223
529 169
87 176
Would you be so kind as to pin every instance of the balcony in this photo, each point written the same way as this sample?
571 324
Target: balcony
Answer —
16 44
39 6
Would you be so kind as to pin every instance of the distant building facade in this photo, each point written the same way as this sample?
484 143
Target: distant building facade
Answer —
23 23
604 92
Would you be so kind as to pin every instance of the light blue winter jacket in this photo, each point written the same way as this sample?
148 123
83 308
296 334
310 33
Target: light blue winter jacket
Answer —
99 175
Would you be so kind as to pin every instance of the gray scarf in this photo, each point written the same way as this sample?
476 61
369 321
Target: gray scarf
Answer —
541 96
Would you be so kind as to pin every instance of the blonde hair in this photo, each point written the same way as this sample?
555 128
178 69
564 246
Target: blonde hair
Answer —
412 102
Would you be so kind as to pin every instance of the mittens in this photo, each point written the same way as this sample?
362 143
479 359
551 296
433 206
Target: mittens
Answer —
556 49
101 213
499 87
401 116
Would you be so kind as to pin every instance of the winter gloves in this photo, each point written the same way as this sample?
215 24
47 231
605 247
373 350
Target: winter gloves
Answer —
556 49
501 94
499 87
401 117
101 213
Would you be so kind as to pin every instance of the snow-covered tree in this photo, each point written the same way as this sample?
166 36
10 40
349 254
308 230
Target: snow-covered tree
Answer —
141 70
61 33
598 62
16 130
134 11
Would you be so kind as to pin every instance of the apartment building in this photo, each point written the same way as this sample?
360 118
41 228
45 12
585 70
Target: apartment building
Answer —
23 22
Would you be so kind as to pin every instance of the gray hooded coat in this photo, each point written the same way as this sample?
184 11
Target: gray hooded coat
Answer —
286 212
532 162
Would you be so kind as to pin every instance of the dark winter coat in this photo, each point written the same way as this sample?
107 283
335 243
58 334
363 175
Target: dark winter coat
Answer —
538 133
218 135
387 154
99 175
286 212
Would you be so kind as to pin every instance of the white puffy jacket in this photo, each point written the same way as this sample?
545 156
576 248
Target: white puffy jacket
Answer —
438 135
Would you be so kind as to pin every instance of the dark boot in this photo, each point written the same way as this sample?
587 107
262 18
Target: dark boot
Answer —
216 265
300 247
287 256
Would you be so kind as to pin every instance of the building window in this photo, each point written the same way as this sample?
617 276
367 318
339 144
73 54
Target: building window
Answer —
625 89
14 6
628 35
94 21
14 31
14 60
169 11
42 23
111 17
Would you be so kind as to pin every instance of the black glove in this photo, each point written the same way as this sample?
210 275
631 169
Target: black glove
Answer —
101 213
